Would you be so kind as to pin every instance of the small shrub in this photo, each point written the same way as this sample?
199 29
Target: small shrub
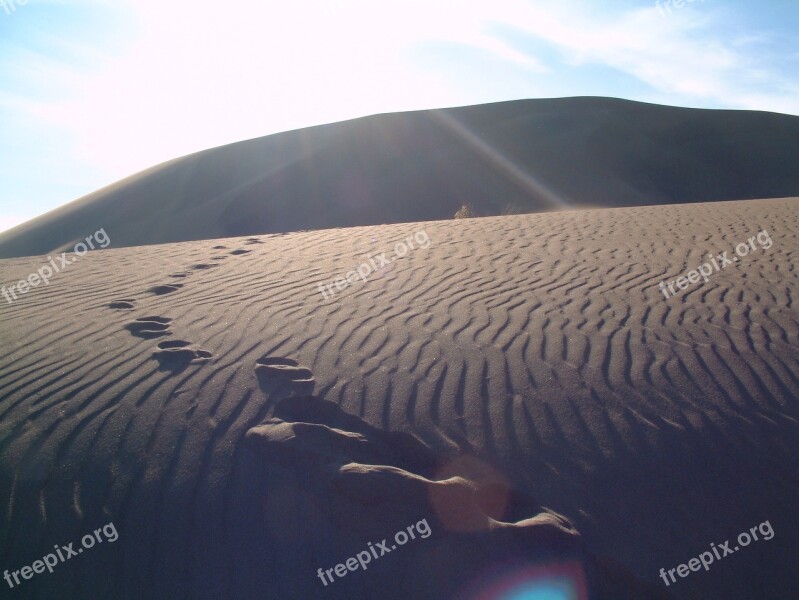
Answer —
465 212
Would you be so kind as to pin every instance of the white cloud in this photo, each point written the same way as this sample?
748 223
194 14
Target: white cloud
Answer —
688 54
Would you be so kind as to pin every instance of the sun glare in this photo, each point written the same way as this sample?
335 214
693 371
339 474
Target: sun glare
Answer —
264 68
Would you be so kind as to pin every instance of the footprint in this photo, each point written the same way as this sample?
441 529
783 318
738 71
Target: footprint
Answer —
272 368
175 355
179 275
202 266
160 290
219 248
126 304
240 251
365 480
170 344
149 327
163 320
399 449
253 240
353 479
218 257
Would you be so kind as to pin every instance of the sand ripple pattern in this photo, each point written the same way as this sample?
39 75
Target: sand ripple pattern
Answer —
656 426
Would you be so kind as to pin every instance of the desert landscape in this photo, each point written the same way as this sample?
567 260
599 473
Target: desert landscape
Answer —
578 403
399 300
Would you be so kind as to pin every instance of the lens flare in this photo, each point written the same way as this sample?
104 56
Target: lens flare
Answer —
518 173
554 581
543 590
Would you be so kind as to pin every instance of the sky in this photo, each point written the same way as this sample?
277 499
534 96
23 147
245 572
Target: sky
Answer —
92 91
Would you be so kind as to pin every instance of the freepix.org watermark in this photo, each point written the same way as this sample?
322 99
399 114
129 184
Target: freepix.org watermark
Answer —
664 6
718 552
47 271
9 6
365 557
716 264
375 263
64 553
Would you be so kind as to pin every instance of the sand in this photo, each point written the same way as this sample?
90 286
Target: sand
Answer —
521 383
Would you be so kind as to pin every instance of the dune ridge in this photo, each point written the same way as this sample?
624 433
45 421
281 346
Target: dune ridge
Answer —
506 157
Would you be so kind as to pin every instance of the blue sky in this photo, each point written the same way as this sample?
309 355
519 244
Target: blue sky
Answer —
94 90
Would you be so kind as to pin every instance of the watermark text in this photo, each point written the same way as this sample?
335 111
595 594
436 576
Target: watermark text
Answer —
716 264
361 559
64 553
705 559
44 273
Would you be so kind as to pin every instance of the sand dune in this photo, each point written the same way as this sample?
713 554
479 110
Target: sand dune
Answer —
549 405
522 156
